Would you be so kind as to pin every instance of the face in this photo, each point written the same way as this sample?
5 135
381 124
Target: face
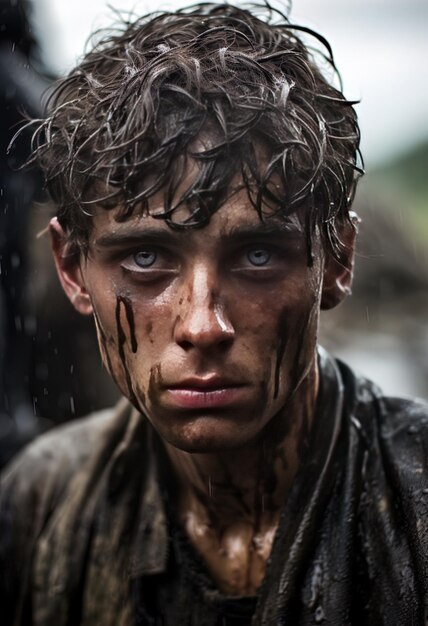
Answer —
208 332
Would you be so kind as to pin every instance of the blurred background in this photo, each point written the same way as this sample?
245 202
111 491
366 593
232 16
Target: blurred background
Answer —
50 370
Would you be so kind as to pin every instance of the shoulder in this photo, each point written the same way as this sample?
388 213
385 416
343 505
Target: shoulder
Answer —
403 434
393 507
391 416
36 485
36 479
384 475
61 451
392 430
403 412
394 433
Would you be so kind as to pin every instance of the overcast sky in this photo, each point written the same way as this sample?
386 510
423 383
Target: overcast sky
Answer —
380 46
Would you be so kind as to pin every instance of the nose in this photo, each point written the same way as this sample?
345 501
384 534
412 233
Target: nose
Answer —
203 322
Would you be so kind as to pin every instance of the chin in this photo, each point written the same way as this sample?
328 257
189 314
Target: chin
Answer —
208 434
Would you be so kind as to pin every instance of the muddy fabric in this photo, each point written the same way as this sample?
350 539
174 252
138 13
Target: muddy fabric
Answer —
85 538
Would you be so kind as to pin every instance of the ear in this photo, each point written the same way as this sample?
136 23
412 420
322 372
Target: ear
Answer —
339 272
68 265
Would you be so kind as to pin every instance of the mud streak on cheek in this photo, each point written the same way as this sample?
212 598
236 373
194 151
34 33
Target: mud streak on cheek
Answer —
283 336
155 380
264 392
130 319
304 334
121 340
303 437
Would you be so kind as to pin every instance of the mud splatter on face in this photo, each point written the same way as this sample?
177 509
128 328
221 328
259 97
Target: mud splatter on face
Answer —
264 392
154 381
149 328
301 365
130 319
121 340
283 336
301 339
300 361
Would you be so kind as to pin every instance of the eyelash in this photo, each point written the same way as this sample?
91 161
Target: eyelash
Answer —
129 257
165 262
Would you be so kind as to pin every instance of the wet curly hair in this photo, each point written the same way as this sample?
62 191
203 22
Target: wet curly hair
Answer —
125 123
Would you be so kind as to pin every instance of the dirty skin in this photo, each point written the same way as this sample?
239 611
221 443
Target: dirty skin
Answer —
230 504
154 381
122 339
232 521
304 434
283 337
299 374
149 331
130 319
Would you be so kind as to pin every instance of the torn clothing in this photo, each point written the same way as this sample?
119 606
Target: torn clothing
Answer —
85 538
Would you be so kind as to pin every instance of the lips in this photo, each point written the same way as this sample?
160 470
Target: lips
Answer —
204 393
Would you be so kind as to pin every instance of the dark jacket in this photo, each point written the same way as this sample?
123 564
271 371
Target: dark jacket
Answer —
83 520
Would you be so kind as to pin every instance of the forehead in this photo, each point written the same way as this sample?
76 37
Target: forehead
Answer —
201 198
236 218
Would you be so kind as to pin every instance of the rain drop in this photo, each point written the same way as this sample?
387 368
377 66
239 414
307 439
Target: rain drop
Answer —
319 615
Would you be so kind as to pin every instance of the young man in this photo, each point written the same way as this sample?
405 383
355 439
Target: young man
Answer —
204 171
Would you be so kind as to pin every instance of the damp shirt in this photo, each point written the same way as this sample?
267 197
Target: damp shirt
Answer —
87 539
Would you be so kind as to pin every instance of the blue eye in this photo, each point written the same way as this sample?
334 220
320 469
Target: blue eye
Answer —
145 258
258 256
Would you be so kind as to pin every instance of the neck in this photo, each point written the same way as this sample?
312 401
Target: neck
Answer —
229 502
249 484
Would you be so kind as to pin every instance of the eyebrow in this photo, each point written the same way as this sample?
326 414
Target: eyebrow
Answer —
264 229
134 236
137 235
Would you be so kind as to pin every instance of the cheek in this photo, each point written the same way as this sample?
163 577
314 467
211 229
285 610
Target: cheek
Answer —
125 323
123 337
104 318
287 335
296 343
129 341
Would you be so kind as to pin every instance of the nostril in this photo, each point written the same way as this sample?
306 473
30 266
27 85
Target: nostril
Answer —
203 341
203 330
185 345
225 343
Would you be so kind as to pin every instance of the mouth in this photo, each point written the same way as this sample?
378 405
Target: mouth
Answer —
204 393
